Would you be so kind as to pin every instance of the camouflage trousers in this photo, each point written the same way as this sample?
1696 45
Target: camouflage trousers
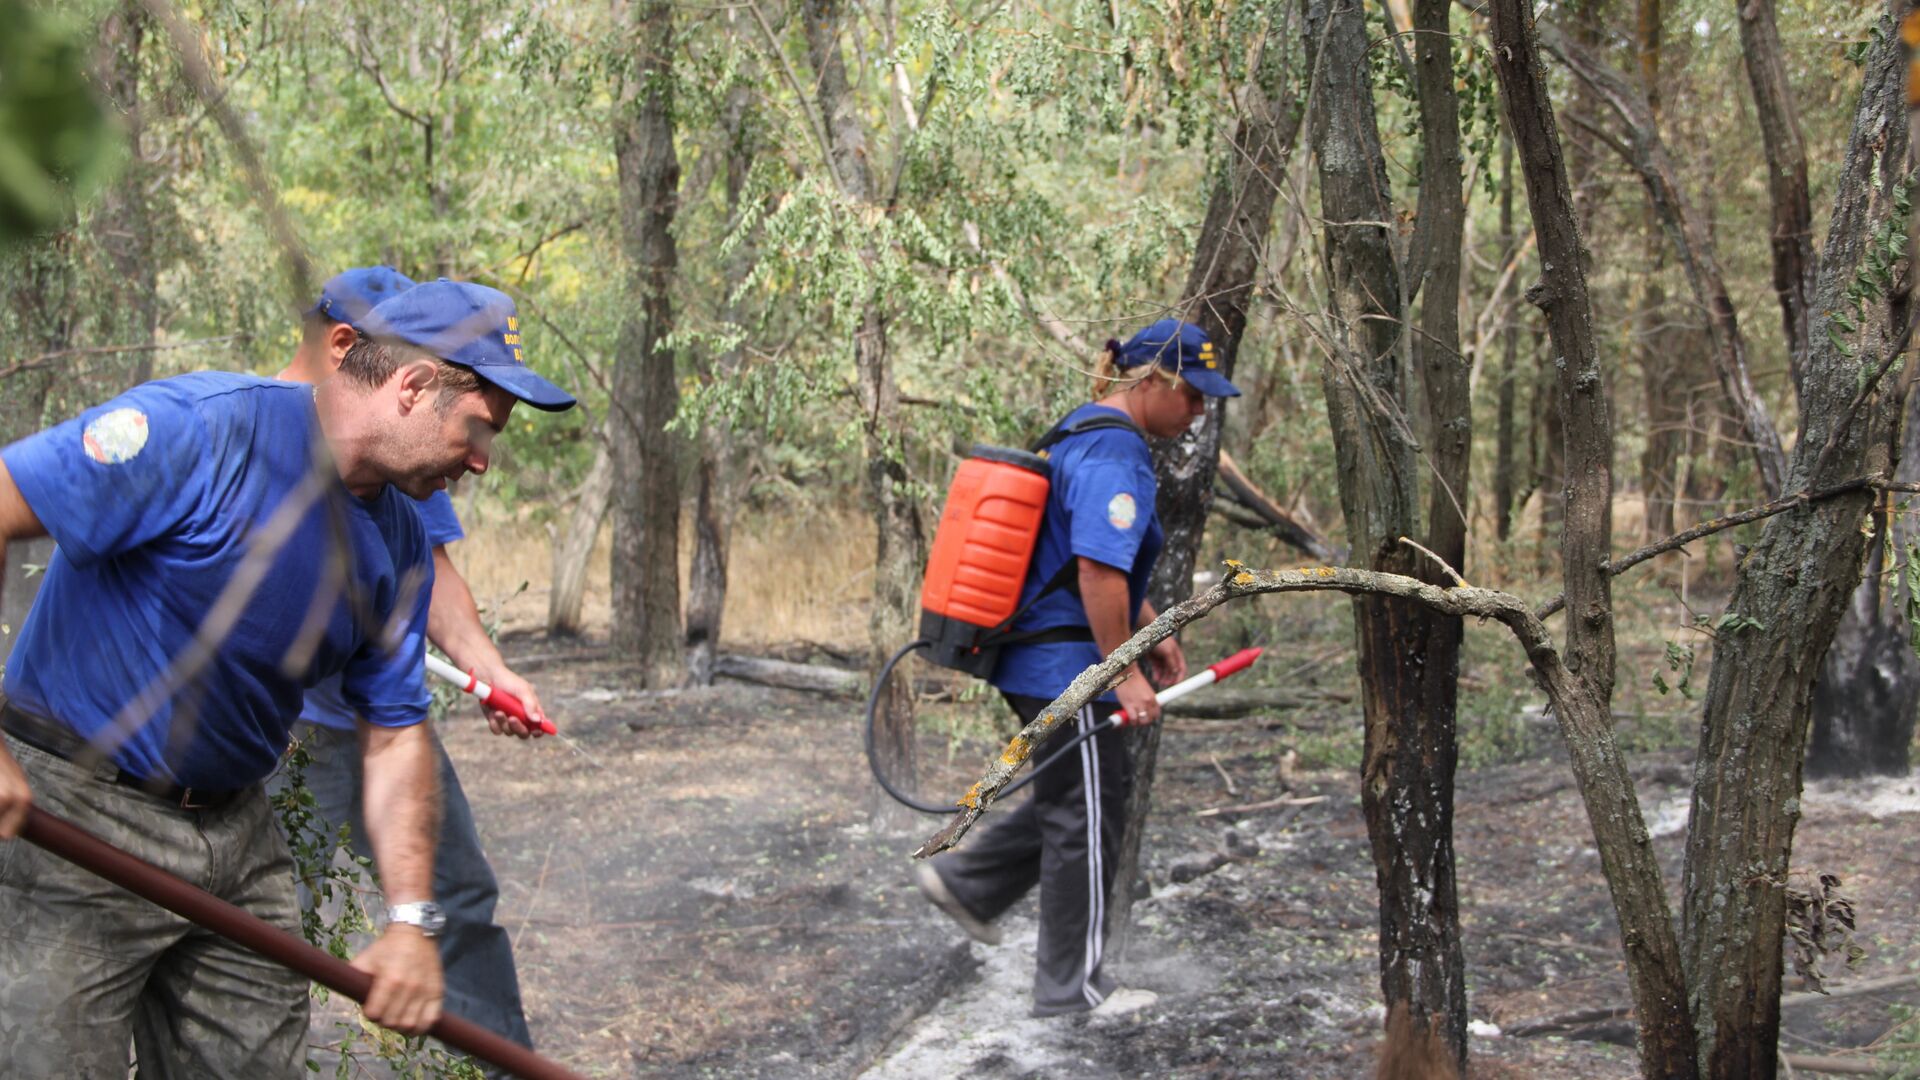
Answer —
79 956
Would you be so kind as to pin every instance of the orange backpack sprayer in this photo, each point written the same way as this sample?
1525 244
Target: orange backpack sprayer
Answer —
980 555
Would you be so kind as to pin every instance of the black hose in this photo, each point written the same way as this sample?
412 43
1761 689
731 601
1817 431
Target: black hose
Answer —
901 797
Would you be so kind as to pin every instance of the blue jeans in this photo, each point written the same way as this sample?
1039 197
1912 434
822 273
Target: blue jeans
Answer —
475 954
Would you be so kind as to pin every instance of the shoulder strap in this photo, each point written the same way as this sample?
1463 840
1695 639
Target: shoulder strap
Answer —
1063 429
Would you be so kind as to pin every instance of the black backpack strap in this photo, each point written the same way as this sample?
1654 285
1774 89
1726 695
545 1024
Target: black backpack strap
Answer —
1067 577
1063 429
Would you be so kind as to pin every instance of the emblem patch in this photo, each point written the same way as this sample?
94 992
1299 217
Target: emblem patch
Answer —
116 437
1121 511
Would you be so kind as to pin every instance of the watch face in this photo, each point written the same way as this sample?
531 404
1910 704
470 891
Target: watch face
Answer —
427 916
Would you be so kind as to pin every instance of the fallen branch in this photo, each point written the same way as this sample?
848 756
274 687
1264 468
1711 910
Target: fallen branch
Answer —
1561 1023
1236 703
1256 807
816 678
1284 525
1844 1066
1551 1025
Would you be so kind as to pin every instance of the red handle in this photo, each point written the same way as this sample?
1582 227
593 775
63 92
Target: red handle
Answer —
501 701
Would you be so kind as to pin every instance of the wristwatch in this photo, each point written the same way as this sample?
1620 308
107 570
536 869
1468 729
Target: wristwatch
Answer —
423 915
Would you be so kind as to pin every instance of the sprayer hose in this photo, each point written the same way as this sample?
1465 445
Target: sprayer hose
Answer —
901 797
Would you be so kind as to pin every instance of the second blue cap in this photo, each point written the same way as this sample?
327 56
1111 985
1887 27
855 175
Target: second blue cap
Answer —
470 325
349 295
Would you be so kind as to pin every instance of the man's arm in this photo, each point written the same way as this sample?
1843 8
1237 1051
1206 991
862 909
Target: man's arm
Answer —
402 809
1103 592
17 522
1169 659
453 624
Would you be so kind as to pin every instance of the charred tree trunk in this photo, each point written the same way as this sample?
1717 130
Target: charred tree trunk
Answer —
900 539
1869 686
1408 655
1793 586
719 480
1227 260
1613 810
646 527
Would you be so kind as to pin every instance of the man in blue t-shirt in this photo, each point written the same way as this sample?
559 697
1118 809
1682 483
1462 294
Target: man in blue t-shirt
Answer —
1101 533
224 541
476 953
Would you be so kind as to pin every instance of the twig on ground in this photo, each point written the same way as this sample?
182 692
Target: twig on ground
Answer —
1232 788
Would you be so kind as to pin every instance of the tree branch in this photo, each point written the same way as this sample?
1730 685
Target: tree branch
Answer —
1728 521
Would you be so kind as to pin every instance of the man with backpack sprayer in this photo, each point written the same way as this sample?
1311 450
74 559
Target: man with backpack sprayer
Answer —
202 524
1083 595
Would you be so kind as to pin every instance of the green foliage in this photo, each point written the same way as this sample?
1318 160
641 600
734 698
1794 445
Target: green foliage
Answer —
336 920
57 142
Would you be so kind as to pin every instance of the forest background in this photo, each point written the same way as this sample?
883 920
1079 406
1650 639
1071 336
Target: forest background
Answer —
795 260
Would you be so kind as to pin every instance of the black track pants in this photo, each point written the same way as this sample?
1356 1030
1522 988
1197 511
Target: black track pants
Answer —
1066 838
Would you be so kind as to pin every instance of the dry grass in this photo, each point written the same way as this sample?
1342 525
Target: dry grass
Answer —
798 577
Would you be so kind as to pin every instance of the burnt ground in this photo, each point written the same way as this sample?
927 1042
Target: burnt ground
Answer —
695 889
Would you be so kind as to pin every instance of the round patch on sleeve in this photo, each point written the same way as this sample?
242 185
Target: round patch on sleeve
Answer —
1121 511
116 436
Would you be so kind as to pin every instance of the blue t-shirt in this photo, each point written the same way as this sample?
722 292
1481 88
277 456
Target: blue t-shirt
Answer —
156 499
326 704
1100 506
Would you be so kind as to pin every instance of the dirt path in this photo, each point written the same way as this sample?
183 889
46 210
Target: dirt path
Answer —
694 891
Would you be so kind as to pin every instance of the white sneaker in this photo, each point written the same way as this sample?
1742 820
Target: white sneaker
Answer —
1124 1002
937 894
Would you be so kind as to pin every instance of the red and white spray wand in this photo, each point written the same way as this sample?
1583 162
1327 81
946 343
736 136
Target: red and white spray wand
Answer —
493 697
1232 665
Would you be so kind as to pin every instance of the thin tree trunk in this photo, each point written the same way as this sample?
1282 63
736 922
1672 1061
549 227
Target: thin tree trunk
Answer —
900 538
1504 447
719 480
1793 585
1613 810
573 548
1794 265
1228 258
646 527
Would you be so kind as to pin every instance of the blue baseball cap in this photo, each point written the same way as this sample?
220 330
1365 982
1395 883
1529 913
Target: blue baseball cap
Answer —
470 325
1179 347
352 293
